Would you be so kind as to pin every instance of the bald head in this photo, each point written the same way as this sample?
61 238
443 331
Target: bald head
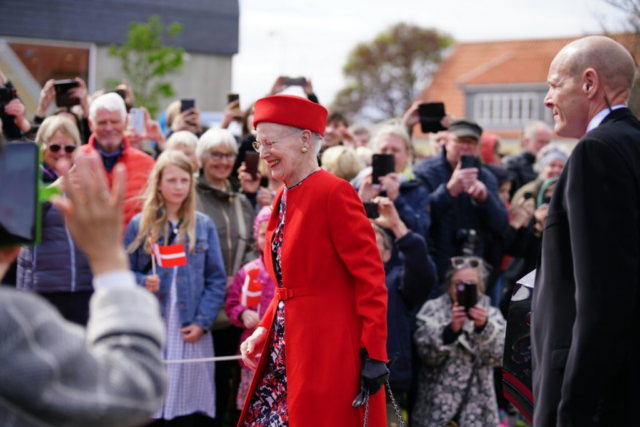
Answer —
613 63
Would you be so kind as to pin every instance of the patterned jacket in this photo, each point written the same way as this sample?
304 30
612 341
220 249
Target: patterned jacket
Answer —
446 368
58 374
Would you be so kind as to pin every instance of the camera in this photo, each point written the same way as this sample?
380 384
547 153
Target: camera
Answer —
468 238
7 94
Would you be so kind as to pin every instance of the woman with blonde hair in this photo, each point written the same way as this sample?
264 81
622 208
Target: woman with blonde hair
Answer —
58 137
57 269
342 161
190 294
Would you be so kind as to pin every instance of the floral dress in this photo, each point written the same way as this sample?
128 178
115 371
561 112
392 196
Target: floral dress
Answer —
268 406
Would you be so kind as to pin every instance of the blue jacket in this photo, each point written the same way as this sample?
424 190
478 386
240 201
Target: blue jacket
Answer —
408 286
449 214
201 283
56 264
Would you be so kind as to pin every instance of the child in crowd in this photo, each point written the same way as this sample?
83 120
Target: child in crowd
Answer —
249 296
190 293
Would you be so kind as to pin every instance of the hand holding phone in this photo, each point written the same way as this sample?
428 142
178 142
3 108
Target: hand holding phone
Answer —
468 161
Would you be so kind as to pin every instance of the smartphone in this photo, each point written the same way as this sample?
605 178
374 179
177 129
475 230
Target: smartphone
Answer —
371 210
19 204
251 162
467 295
528 195
233 97
294 81
187 104
137 120
431 114
382 164
6 96
546 200
63 95
467 161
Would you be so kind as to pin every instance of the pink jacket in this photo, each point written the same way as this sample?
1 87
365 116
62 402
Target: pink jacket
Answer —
234 308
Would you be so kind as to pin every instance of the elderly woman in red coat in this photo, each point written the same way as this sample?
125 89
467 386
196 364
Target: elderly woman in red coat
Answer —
323 339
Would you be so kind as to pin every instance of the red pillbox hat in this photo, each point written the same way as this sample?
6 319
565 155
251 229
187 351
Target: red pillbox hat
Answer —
290 110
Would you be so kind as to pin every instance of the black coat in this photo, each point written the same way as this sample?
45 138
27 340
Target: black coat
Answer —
586 304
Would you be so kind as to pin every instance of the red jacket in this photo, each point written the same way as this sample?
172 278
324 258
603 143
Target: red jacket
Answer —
139 165
336 303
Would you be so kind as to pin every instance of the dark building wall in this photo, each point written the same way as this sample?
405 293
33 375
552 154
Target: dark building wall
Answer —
210 26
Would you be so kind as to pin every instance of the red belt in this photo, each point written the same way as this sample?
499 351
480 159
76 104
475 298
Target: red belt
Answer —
288 293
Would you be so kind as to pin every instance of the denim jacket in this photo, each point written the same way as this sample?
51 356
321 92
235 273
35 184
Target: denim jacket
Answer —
201 283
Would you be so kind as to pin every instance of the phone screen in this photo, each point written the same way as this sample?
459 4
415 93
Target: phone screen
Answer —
297 81
137 120
371 210
467 161
431 114
63 97
19 171
382 165
233 97
187 104
251 161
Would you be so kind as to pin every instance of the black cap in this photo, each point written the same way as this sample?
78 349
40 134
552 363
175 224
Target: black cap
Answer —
462 128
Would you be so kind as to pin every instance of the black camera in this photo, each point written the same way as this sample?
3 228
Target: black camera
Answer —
7 94
468 238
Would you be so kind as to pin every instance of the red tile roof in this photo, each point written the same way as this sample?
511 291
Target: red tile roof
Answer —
492 62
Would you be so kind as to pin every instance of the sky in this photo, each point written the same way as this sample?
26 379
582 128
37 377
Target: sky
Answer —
313 38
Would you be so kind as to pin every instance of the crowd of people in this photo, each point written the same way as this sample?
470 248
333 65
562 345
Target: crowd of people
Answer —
440 227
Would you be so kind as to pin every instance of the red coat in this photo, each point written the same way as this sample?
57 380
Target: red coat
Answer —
139 165
336 303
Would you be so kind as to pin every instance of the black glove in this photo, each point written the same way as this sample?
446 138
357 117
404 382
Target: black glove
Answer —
373 375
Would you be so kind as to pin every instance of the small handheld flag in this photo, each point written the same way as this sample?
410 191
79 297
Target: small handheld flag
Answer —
251 289
168 256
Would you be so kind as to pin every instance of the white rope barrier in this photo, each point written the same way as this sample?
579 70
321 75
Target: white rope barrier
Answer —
206 359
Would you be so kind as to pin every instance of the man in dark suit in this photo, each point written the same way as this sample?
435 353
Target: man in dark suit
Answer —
586 305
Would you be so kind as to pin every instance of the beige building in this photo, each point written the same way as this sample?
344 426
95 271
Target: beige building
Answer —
61 39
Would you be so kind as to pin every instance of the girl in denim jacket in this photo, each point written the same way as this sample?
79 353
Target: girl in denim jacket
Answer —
249 317
191 295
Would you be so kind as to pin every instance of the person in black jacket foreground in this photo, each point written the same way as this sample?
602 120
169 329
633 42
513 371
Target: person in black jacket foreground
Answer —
586 303
408 285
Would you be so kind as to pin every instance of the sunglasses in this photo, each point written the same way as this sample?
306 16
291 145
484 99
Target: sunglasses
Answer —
67 148
460 262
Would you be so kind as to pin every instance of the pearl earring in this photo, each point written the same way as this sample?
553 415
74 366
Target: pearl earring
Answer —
304 149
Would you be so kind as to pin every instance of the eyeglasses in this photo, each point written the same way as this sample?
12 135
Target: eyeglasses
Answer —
230 157
69 149
257 144
460 262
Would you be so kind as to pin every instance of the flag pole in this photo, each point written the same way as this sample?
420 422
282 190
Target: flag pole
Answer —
153 258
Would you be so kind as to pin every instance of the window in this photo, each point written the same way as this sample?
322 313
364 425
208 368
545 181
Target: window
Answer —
46 62
504 109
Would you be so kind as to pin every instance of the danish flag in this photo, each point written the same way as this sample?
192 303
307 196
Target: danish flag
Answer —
170 255
251 289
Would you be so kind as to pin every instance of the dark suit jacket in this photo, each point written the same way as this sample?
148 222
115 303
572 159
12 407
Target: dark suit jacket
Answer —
586 305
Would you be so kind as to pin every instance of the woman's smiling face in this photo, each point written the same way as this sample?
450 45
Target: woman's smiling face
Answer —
282 150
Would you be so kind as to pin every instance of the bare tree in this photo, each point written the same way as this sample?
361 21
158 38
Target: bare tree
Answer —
386 74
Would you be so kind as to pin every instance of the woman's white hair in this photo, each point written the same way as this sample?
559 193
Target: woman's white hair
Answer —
109 101
214 138
182 138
